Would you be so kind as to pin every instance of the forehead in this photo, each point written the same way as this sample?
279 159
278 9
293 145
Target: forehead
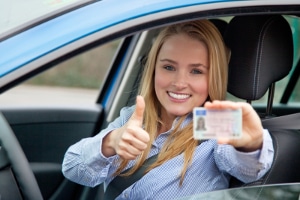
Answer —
181 44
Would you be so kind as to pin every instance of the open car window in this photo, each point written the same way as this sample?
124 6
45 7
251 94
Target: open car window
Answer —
75 81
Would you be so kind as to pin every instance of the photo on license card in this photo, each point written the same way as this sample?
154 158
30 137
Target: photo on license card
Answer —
213 124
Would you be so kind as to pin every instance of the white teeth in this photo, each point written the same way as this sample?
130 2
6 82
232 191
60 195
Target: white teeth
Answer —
179 96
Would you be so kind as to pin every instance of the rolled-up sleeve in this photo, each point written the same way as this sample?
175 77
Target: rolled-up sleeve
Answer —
249 166
84 162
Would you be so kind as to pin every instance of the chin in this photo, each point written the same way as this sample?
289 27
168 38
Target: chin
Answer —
180 113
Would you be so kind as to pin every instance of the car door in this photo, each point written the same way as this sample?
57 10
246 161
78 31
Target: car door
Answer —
46 123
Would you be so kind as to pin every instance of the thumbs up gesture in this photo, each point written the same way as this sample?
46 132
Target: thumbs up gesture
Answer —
130 140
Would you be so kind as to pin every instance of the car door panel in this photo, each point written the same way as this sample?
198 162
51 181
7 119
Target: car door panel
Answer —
55 130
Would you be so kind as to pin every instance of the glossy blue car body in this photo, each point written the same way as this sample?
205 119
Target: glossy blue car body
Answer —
40 43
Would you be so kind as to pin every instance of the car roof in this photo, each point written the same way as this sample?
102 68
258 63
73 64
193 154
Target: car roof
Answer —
101 19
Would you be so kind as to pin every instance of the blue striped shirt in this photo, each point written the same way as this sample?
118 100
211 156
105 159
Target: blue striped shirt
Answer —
211 167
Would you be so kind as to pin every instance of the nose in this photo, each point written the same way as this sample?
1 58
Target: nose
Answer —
180 81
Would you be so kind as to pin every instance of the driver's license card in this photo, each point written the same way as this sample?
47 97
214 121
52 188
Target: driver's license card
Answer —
213 124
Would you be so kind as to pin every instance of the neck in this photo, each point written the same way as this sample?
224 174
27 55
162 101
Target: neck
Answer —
167 124
163 128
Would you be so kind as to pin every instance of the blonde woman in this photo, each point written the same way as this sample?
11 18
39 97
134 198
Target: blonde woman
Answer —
186 68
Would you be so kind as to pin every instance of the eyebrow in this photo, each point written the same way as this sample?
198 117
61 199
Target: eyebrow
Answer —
168 60
174 62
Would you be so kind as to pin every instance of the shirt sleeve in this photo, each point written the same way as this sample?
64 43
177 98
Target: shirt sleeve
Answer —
247 167
84 162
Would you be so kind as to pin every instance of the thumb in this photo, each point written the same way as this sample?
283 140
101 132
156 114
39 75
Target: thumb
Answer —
138 114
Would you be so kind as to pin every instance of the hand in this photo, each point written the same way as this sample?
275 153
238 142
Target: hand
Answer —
252 136
130 140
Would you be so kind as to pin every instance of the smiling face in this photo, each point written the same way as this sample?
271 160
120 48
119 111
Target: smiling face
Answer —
181 76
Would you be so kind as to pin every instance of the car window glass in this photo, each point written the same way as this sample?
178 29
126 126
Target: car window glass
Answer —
74 81
295 25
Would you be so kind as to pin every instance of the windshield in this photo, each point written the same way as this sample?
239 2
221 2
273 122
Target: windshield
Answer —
18 14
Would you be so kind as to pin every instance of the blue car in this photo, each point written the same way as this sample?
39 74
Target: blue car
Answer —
67 67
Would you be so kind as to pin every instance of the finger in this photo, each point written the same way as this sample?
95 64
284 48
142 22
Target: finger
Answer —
138 133
233 142
127 156
247 108
222 105
128 151
138 115
126 148
138 142
223 141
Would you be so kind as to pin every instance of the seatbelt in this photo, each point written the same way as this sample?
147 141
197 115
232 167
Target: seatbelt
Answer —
120 183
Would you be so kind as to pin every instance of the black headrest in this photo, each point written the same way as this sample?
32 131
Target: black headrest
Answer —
220 24
261 53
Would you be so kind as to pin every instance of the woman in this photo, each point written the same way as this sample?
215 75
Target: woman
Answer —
186 68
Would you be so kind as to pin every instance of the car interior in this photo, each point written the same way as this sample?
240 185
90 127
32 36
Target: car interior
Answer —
250 78
258 60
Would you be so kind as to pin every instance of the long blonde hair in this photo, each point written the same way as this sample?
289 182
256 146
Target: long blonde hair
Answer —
181 139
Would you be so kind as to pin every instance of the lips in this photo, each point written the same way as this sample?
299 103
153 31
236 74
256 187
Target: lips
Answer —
179 96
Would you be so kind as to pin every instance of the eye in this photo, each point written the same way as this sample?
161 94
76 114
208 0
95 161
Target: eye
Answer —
196 71
169 68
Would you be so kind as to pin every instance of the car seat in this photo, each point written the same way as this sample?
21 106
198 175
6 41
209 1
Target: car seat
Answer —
261 54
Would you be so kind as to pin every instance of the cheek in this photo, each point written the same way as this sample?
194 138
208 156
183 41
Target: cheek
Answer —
160 81
201 86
